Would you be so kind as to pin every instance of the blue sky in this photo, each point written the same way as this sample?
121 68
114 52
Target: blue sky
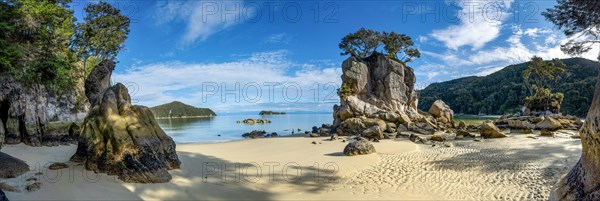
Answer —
243 56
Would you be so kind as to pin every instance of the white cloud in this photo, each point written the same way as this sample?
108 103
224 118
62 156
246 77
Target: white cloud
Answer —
279 38
480 23
202 18
191 83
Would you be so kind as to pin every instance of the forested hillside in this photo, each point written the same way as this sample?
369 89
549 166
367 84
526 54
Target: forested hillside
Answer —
502 92
178 109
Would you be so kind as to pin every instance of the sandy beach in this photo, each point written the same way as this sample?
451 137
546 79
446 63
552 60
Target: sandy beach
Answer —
292 168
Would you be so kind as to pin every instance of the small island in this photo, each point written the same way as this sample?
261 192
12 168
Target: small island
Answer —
270 113
178 109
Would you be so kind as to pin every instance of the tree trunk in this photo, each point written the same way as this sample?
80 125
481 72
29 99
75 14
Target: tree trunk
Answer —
583 181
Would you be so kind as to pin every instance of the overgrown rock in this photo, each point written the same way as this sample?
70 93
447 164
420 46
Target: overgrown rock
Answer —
123 139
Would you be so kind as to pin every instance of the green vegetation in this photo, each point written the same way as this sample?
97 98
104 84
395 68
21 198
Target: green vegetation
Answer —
101 36
364 42
178 109
345 91
580 20
270 113
503 92
540 79
39 46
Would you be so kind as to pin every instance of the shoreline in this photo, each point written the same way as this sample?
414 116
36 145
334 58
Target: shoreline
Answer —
292 168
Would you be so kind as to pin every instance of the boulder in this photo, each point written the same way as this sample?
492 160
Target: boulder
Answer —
11 167
442 113
418 138
462 125
360 146
121 139
373 132
58 166
489 130
3 196
547 133
581 183
254 134
333 137
549 123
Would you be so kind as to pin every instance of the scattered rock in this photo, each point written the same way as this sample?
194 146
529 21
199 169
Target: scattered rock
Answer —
438 138
547 133
33 187
576 136
462 125
448 144
11 167
333 137
31 179
254 134
532 137
373 132
521 131
256 121
313 142
478 139
418 138
58 166
460 137
8 188
360 146
314 135
549 123
489 130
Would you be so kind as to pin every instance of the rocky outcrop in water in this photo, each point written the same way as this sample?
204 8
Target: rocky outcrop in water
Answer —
377 91
582 182
121 139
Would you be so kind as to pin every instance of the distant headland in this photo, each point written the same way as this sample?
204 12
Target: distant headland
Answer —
178 109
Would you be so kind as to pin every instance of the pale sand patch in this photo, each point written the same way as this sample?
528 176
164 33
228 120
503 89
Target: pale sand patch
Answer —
268 169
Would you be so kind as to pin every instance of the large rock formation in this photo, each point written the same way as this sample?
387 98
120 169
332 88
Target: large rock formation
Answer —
121 139
376 91
36 115
583 181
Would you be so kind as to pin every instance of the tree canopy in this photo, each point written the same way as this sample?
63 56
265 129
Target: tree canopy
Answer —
40 43
579 19
102 34
365 42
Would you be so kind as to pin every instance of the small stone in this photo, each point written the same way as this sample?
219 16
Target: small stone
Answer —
33 187
314 135
448 144
478 139
58 166
313 142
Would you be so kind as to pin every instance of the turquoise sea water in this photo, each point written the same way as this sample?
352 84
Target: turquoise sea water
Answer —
208 129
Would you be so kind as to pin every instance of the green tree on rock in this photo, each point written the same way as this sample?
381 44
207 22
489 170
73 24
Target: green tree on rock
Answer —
102 35
580 20
364 42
